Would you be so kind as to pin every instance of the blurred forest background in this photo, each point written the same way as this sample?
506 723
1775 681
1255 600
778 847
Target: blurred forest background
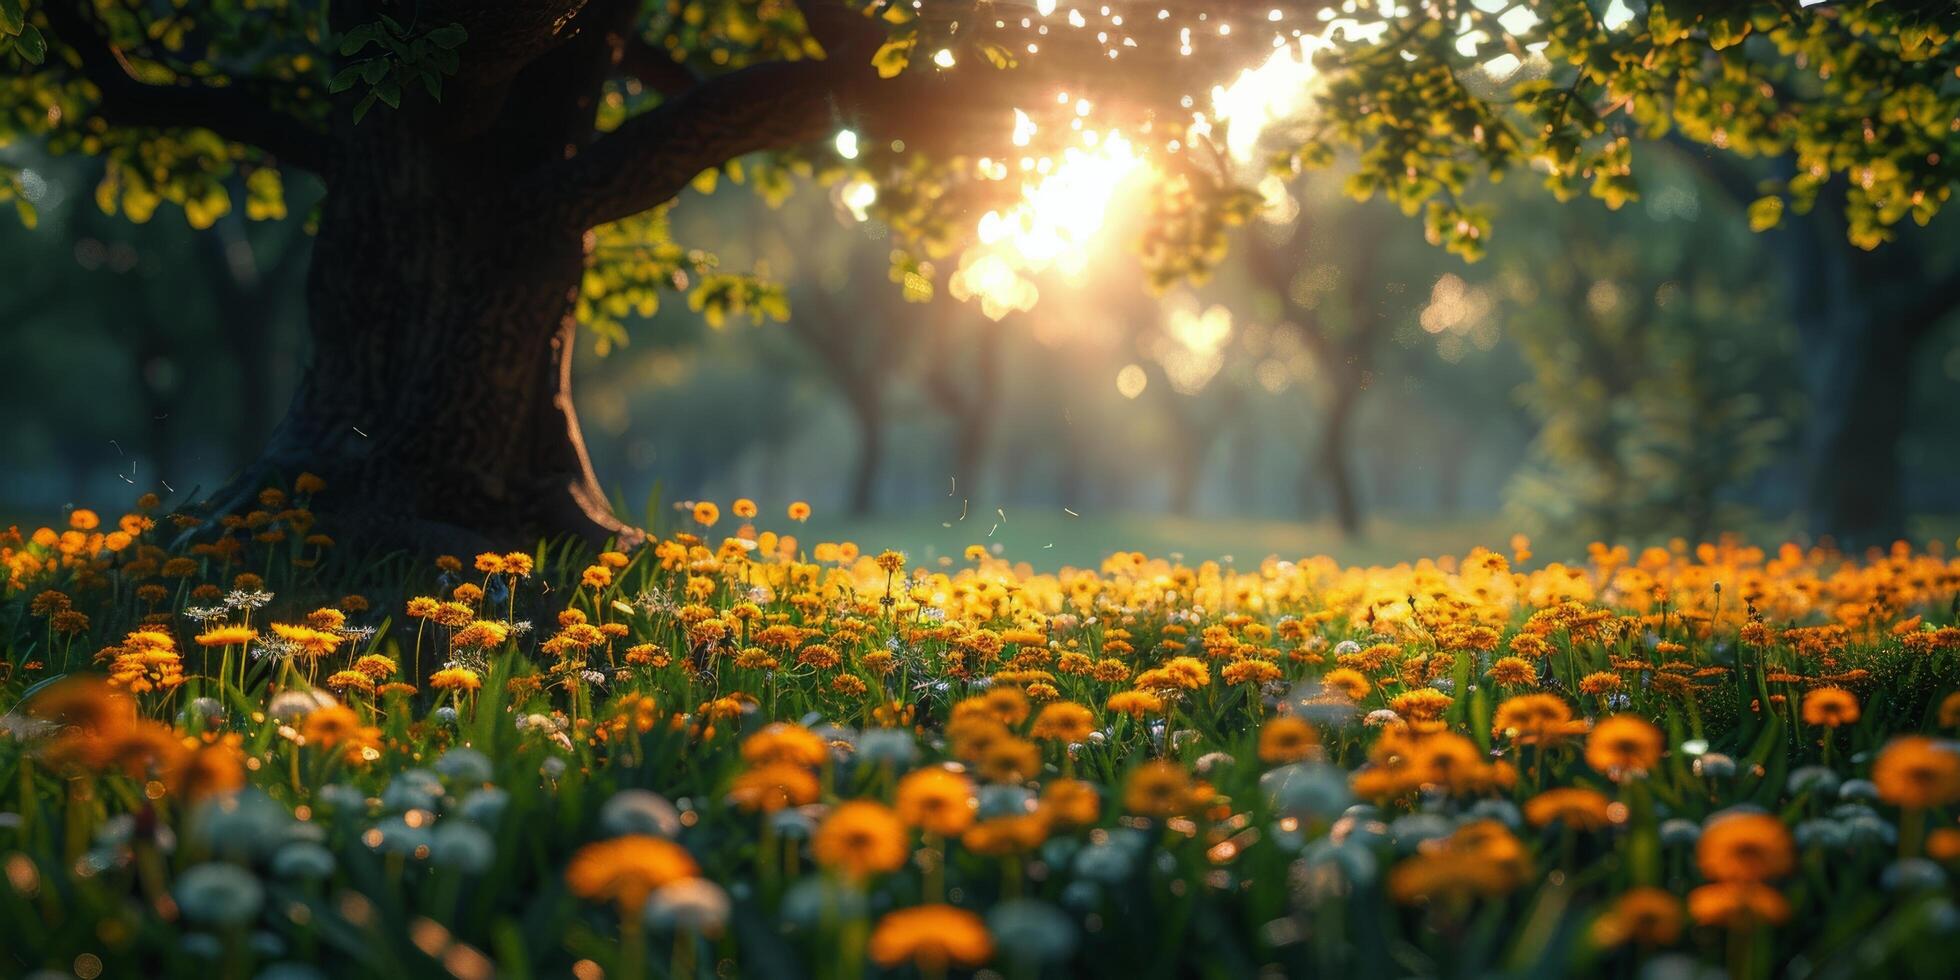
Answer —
1342 386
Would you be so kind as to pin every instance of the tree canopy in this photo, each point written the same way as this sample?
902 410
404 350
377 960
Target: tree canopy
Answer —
946 104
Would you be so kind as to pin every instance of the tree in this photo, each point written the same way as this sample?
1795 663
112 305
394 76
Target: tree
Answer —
469 150
860 353
1658 375
1342 336
1862 316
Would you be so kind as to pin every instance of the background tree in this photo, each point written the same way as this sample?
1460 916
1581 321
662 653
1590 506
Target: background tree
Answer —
470 151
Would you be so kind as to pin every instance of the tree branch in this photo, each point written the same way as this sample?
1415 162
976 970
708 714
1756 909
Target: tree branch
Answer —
784 104
655 68
230 111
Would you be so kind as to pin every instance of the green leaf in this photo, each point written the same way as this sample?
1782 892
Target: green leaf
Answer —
31 45
12 18
357 38
449 36
346 78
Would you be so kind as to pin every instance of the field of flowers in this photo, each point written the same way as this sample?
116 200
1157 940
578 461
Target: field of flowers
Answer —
230 751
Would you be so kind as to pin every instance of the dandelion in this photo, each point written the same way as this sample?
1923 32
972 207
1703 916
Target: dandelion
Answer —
1575 807
773 786
1158 789
1623 746
1738 905
1915 772
931 938
937 801
625 870
1745 847
860 839
1830 707
1063 721
1645 916
1287 739
456 679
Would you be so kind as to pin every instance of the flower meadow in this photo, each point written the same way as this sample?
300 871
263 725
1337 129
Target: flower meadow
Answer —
231 750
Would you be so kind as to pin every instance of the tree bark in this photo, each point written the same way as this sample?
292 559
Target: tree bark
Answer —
437 404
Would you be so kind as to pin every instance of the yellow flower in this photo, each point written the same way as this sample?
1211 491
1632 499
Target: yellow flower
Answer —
456 678
706 513
227 636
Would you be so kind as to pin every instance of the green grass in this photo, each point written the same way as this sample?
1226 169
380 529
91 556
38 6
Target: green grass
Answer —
1051 539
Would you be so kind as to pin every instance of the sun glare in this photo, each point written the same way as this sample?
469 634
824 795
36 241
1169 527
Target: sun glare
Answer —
1053 225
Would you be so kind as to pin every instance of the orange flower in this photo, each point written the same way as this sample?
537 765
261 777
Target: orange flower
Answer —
1135 702
625 870
1531 719
227 636
1830 707
799 511
1915 772
860 839
706 513
932 938
1158 789
786 743
1738 905
1623 745
1286 739
773 787
1347 682
937 801
1745 847
1647 916
1064 721
1070 802
1573 806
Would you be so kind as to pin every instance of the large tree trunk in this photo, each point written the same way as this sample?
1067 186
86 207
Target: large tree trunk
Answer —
437 404
1857 371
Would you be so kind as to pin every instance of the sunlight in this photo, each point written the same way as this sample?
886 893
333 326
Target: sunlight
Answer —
1054 224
